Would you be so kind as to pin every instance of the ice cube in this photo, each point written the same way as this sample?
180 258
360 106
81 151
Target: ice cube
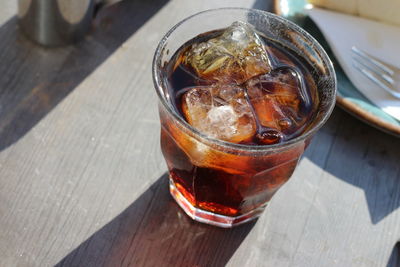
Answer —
277 98
219 111
233 57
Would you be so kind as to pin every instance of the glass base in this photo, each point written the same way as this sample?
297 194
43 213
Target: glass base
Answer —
209 217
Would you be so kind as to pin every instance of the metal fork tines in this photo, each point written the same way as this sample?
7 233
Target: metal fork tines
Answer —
376 70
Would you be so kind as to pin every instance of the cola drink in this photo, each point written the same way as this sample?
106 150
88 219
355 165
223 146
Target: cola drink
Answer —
241 103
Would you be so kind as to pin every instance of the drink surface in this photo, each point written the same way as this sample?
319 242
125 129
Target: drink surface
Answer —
252 91
237 86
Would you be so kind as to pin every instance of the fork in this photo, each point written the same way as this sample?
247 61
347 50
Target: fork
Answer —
377 71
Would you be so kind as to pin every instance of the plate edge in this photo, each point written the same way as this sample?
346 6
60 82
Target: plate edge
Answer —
352 108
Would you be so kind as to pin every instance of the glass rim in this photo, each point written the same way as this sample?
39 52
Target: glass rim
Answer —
157 80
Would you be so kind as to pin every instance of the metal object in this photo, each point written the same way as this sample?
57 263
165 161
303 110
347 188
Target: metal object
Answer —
377 71
55 22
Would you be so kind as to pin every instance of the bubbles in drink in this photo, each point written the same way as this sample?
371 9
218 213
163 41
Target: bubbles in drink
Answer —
232 57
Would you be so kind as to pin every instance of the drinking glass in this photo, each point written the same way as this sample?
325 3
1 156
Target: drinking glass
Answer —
222 183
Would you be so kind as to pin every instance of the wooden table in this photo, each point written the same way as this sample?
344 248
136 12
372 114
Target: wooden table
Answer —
83 182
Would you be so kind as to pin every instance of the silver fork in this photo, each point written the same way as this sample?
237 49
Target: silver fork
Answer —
377 71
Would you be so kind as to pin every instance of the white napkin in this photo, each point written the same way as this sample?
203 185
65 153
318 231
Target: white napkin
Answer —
378 39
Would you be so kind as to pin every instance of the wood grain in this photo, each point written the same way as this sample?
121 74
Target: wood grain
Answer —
83 183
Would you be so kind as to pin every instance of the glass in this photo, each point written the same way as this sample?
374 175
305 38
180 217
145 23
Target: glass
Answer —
55 22
218 182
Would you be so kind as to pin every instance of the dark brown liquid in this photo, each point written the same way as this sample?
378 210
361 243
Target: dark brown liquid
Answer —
182 78
223 182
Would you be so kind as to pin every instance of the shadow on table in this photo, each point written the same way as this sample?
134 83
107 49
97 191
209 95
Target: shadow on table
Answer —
154 231
394 260
362 156
35 79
